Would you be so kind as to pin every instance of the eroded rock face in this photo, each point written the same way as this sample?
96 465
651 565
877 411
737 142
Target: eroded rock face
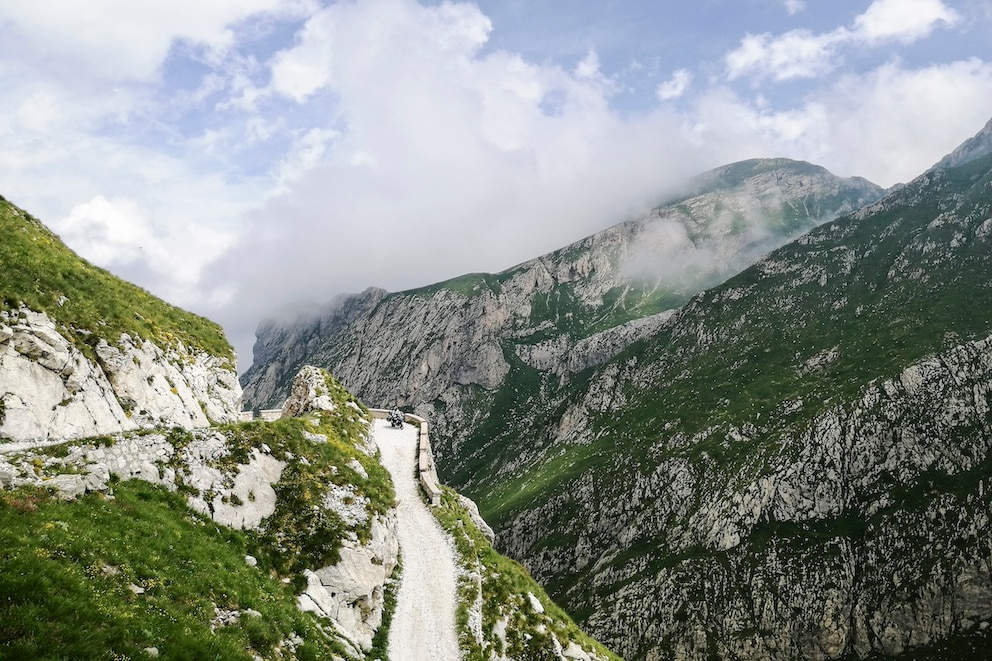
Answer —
844 541
51 391
309 393
238 498
446 350
795 466
351 592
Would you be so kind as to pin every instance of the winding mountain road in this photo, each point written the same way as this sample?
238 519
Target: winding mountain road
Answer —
423 626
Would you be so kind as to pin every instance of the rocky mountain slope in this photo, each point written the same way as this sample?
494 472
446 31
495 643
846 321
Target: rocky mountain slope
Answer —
83 353
794 464
270 540
478 341
297 561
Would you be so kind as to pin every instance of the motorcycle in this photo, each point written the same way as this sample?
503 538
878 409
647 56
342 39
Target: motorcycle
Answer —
395 419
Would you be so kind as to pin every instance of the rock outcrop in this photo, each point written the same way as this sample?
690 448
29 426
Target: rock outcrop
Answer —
51 390
228 476
351 593
865 531
796 465
84 353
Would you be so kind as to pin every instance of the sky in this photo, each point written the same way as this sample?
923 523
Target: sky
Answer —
239 158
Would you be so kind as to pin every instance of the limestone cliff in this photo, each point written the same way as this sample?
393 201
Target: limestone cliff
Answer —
83 353
52 391
794 464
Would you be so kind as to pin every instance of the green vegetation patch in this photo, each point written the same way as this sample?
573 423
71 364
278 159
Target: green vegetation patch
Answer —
88 303
301 533
505 588
108 577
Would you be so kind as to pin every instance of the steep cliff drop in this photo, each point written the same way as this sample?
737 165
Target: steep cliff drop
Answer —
423 627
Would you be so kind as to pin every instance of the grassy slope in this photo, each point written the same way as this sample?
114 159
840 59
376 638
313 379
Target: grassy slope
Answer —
65 592
897 288
68 568
505 586
71 568
900 285
89 303
528 403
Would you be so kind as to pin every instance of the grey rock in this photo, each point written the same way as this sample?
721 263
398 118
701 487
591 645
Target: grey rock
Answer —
52 392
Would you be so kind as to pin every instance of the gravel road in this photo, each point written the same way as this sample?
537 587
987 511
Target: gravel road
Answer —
423 627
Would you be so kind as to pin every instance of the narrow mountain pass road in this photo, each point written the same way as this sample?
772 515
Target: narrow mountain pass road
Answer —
423 626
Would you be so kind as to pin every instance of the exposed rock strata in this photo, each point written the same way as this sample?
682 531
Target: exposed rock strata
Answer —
846 541
351 593
52 391
795 465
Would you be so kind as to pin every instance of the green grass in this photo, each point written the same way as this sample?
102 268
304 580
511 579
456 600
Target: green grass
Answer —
301 533
380 642
726 388
87 302
72 572
505 585
69 567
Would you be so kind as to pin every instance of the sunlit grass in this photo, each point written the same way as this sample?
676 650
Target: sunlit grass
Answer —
88 303
107 577
505 586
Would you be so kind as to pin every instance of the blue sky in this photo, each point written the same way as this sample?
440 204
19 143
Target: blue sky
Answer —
237 156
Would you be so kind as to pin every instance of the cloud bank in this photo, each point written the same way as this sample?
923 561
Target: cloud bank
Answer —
233 157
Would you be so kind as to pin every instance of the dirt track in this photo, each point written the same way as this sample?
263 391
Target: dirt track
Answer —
423 627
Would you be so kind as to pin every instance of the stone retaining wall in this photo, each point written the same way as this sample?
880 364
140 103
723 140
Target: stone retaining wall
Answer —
267 415
426 469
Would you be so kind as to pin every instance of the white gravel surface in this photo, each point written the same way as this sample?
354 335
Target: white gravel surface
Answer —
423 627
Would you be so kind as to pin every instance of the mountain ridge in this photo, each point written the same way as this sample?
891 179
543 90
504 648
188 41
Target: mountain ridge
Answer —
589 286
738 479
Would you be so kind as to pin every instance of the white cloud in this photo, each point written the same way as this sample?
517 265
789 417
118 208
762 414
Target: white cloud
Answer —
804 54
891 123
794 6
388 143
902 20
122 39
452 160
330 50
675 86
123 235
887 125
306 152
299 72
796 54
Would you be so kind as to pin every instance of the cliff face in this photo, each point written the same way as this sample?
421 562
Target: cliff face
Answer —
53 391
864 530
454 350
83 353
310 492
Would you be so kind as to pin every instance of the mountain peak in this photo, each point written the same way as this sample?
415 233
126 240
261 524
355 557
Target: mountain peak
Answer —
975 147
